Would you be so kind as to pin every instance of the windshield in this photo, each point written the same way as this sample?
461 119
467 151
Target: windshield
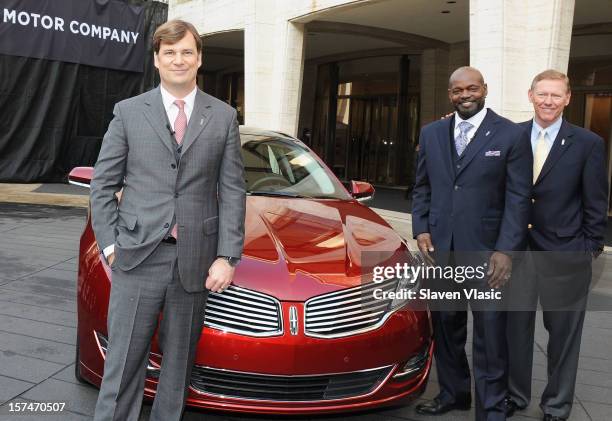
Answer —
277 166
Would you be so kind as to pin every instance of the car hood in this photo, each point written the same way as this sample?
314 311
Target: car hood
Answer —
298 248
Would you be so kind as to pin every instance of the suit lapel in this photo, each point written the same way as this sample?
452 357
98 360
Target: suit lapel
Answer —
562 143
199 119
158 119
483 135
528 126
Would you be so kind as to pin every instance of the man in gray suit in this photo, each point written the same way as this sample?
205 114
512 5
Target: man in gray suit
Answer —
176 233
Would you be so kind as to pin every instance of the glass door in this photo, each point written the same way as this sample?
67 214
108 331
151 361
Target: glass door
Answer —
371 139
598 119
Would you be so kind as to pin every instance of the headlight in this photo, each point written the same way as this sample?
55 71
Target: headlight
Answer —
401 291
407 283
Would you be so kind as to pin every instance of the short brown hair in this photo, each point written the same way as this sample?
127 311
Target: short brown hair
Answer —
551 74
173 31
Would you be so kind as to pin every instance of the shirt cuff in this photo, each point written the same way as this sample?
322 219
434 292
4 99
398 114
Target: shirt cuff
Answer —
109 250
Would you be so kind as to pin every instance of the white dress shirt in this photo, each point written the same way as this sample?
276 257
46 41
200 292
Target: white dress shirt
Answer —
475 121
171 111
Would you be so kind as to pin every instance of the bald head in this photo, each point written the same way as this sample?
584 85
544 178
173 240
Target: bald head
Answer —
464 71
467 91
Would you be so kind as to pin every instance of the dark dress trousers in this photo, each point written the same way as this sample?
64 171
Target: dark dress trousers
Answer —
477 203
568 220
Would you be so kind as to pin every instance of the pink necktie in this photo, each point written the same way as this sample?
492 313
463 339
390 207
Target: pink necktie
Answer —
180 125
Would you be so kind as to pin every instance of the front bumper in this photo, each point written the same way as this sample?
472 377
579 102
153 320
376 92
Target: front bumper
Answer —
298 374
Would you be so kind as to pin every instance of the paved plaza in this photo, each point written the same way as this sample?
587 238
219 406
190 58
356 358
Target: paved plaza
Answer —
38 269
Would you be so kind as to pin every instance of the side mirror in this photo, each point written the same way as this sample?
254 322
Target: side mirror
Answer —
361 190
81 176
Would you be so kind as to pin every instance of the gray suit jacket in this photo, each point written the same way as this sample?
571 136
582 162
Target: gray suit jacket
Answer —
204 192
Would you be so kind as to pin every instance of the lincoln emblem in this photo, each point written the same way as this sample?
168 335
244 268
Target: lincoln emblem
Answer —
293 320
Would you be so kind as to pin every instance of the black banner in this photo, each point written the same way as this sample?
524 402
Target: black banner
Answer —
53 114
101 33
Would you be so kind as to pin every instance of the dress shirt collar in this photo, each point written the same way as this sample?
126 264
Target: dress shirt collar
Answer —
552 131
475 120
168 100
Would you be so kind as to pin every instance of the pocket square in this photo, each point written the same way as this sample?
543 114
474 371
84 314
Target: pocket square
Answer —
493 153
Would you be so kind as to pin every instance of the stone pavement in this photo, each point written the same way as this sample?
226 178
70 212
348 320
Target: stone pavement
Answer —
38 258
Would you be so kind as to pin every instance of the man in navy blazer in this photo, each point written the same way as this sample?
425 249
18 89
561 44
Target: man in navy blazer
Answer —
566 230
472 194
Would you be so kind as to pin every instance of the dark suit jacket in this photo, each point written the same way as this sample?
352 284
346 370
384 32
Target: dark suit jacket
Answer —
484 205
570 196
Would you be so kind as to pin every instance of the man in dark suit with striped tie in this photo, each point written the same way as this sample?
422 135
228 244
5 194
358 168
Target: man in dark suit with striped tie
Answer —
470 206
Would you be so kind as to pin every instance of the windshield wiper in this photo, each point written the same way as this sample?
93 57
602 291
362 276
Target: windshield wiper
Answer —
322 196
274 193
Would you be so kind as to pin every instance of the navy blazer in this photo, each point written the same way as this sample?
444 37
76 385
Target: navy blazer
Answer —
484 205
570 196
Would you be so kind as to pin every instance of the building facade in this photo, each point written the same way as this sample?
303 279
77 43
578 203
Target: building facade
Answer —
356 79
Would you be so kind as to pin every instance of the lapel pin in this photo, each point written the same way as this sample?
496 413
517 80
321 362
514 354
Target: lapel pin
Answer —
487 133
562 142
201 121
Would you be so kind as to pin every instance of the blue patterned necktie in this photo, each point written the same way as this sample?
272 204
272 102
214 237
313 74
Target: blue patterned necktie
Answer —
461 141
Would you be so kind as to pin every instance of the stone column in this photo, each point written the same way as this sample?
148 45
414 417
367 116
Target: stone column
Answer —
273 62
513 40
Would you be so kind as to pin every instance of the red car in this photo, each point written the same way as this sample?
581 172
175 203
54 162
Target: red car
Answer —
300 330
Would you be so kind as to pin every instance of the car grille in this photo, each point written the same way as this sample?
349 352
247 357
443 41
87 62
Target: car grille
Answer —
347 312
286 388
243 311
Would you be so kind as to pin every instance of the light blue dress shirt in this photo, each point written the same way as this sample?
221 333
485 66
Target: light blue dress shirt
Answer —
550 135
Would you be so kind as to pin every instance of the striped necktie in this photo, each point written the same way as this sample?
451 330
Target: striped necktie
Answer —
180 126
539 157
461 141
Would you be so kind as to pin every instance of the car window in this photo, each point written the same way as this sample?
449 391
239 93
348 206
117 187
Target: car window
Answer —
283 166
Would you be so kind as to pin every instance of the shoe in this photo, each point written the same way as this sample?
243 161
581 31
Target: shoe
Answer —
548 417
436 407
511 407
